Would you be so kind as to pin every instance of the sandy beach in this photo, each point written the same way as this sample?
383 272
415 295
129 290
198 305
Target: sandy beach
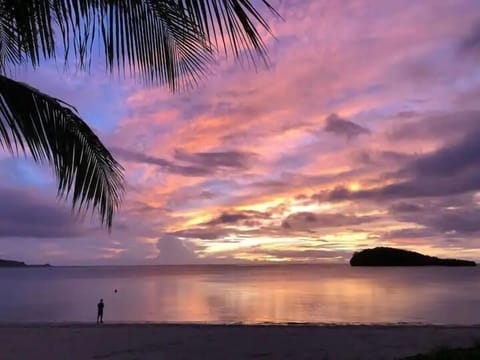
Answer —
170 341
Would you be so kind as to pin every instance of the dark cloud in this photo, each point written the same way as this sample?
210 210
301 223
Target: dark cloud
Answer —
449 160
439 187
175 251
309 221
449 126
442 217
444 220
403 207
342 127
197 164
339 193
198 194
413 188
271 185
471 42
301 197
376 158
166 165
463 221
225 159
453 169
230 218
201 233
221 228
26 215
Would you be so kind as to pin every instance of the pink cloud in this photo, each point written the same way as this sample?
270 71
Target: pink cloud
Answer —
258 141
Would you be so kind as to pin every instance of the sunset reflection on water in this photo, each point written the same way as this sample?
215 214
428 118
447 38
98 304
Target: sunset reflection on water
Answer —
244 294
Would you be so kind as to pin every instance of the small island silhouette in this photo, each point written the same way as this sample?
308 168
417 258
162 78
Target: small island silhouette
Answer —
385 256
12 263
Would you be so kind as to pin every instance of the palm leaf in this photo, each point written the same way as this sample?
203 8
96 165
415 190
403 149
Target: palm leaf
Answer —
10 46
230 24
27 30
161 41
158 44
50 131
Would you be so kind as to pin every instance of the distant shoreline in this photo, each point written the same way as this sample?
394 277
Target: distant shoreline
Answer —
25 266
19 264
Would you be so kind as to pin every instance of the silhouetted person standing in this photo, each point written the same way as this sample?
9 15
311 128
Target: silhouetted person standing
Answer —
100 307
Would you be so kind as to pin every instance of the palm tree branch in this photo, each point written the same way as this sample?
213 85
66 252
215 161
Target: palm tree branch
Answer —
51 131
230 24
163 41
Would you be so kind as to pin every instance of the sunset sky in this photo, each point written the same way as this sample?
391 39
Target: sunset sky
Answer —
364 131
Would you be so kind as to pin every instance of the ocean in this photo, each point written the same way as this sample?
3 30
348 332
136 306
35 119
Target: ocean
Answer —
330 294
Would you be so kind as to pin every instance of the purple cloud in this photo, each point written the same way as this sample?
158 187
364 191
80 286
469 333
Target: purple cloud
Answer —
25 215
341 127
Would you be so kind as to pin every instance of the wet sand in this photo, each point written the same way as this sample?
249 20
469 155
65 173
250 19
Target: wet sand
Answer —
172 341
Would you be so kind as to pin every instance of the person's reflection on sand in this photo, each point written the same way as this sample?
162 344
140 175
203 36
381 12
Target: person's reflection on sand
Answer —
100 307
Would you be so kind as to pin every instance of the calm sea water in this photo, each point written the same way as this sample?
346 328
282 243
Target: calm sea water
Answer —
246 294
